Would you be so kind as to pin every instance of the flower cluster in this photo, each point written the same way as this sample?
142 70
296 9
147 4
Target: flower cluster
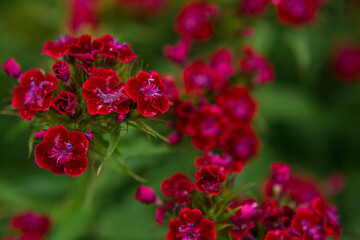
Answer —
217 209
30 225
99 88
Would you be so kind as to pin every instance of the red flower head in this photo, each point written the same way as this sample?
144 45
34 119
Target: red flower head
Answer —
179 52
191 225
307 225
237 104
267 210
346 63
244 218
62 71
198 76
281 172
297 11
83 13
195 21
221 61
58 48
12 68
65 102
254 7
172 92
32 225
148 90
34 93
240 142
225 162
205 126
104 94
209 179
63 152
253 63
279 235
146 195
87 51
40 134
179 186
183 111
115 49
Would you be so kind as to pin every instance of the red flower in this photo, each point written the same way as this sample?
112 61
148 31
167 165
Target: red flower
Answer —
198 76
253 63
297 11
225 162
209 179
83 13
240 142
221 61
195 21
58 48
254 7
307 225
346 63
63 152
191 224
104 94
244 218
179 52
62 71
205 125
172 92
161 211
281 172
34 93
65 102
267 210
12 68
148 90
115 49
183 111
237 104
179 186
87 51
279 235
32 225
146 195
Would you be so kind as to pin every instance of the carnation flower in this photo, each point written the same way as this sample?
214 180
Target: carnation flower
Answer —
65 102
297 11
147 90
307 225
146 195
179 52
179 186
62 71
34 93
58 48
172 92
225 162
253 7
63 152
83 13
221 61
12 68
104 93
209 179
191 224
281 172
346 63
244 218
33 226
115 49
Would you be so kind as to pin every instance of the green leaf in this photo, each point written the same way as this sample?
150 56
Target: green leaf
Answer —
113 142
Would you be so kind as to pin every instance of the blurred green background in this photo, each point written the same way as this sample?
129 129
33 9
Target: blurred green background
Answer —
307 118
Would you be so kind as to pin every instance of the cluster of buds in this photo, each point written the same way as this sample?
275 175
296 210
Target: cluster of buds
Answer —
99 89
212 208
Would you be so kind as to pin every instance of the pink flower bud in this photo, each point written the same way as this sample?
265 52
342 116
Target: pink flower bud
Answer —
62 71
89 135
281 172
174 138
12 68
121 117
40 135
65 102
146 195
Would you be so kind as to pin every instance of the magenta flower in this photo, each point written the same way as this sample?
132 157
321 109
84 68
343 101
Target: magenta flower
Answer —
346 63
172 92
209 179
115 49
297 12
63 152
40 134
147 90
279 235
83 13
221 61
179 52
33 226
244 219
254 7
62 71
179 186
58 48
12 68
146 195
225 162
65 102
280 171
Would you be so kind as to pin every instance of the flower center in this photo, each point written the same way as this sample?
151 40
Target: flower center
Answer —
61 152
33 93
151 89
201 80
188 232
210 127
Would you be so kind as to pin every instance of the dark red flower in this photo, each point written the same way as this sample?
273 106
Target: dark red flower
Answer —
104 94
183 111
239 141
63 152
244 219
346 63
12 68
147 90
199 76
280 171
58 48
34 93
83 13
40 134
146 195
297 11
209 179
195 21
172 92
279 235
179 52
253 7
33 226
259 66
65 102
179 186
191 224
87 51
237 104
225 162
267 210
307 225
114 49
205 125
221 61
61 70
